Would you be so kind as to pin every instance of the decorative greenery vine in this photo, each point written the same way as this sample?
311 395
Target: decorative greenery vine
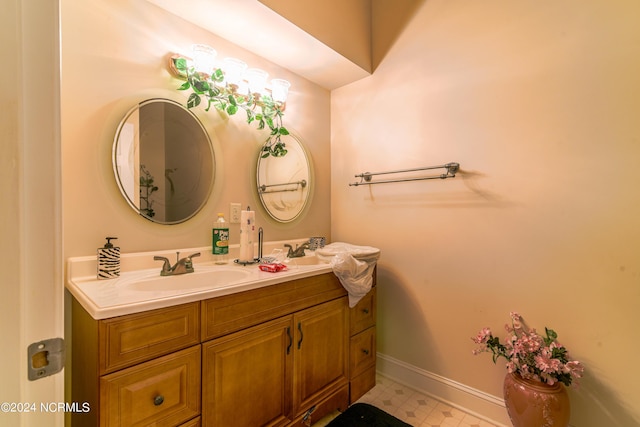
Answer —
260 109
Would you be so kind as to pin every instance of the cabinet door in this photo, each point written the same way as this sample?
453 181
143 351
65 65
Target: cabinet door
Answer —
246 377
321 352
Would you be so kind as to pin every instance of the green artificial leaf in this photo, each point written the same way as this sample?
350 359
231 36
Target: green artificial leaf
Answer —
193 101
185 86
232 100
283 131
180 64
200 86
268 102
551 336
217 75
269 121
232 109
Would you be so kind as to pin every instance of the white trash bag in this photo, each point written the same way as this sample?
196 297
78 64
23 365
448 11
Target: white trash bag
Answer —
356 275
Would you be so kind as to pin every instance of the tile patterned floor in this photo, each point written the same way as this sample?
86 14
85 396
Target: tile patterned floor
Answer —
415 408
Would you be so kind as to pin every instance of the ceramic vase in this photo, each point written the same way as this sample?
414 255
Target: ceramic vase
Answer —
533 403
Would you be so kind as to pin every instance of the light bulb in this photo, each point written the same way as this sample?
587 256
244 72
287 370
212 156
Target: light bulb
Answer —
280 90
204 58
233 70
257 79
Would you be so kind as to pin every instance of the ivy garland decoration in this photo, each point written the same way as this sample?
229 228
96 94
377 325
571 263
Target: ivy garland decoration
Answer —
260 109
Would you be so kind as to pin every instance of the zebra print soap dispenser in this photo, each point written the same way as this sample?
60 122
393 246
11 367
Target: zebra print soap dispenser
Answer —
108 260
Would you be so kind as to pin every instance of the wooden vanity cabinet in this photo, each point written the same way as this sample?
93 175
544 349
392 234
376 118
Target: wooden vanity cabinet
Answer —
269 374
282 355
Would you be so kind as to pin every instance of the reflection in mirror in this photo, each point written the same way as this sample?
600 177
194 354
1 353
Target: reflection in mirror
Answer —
163 161
283 183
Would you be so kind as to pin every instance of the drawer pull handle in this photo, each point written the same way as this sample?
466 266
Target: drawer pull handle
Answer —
301 335
158 400
290 339
365 351
365 310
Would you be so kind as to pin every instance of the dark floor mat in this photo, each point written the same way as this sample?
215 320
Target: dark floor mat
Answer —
364 415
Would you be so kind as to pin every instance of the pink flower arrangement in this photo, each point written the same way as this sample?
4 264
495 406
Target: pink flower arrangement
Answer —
531 355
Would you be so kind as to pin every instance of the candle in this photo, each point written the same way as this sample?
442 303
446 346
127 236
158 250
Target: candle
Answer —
247 228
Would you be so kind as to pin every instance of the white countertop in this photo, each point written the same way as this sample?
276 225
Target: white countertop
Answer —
116 297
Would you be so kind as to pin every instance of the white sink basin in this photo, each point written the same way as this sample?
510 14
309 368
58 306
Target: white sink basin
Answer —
202 278
305 260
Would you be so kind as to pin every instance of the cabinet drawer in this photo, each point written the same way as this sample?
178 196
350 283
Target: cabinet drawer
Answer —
363 315
362 352
231 313
135 338
163 392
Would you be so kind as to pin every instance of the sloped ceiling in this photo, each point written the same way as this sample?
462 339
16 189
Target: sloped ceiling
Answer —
344 26
272 37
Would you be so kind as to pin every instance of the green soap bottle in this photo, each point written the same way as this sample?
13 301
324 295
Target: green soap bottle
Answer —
220 240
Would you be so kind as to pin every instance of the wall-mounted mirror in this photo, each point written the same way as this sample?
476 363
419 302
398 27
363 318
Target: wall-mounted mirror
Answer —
163 161
284 183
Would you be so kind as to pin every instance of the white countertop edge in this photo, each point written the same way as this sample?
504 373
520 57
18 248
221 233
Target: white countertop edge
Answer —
98 313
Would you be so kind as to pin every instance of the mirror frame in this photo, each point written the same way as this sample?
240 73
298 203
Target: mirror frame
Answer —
305 185
114 159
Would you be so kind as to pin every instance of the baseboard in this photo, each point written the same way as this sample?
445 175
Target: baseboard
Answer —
472 401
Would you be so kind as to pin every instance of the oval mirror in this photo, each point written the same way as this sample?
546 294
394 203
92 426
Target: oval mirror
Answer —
284 182
163 161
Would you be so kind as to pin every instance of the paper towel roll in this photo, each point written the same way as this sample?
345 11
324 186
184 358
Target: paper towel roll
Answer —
247 229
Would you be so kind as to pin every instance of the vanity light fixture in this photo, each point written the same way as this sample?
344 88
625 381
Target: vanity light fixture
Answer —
229 85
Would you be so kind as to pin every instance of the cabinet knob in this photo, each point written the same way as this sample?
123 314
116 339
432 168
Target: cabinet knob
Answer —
365 351
365 310
158 400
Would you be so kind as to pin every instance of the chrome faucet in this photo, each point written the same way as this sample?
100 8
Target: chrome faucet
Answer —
182 266
298 252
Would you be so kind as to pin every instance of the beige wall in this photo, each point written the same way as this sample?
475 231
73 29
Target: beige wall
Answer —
114 55
539 104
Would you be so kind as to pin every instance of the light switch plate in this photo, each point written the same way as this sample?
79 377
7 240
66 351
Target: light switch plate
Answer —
234 216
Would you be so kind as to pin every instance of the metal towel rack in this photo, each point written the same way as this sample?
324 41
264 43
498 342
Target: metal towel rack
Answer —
298 185
365 178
